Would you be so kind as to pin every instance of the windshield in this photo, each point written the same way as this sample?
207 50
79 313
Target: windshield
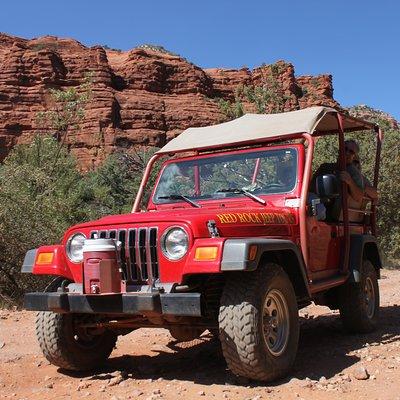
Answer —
258 172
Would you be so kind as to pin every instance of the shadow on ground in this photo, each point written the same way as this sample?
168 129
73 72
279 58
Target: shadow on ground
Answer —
323 351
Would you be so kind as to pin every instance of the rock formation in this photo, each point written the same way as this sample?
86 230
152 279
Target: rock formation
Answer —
144 96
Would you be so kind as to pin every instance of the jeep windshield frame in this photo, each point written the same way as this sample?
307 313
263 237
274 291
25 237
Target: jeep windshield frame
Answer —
221 176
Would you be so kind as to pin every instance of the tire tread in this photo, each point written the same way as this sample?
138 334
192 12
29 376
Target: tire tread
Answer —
51 332
238 322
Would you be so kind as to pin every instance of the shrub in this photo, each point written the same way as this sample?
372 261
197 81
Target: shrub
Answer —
38 201
111 189
231 110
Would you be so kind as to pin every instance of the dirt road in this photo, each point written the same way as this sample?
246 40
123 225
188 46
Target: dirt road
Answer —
147 365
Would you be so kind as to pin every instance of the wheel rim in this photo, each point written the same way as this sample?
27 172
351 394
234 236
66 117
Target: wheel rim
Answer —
276 322
369 297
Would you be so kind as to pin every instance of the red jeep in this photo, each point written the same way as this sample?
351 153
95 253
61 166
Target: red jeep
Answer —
232 241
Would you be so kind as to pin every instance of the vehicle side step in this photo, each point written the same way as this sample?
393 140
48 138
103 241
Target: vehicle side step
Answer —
327 283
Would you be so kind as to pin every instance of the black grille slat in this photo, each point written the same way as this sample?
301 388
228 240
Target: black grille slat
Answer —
153 252
142 253
139 253
122 239
132 255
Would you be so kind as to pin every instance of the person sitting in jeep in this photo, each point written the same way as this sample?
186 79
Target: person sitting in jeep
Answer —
370 190
352 176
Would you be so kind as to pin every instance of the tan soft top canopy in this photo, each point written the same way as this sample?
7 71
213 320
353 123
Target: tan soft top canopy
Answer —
256 128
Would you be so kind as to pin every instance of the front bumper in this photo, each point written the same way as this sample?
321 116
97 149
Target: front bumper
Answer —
181 304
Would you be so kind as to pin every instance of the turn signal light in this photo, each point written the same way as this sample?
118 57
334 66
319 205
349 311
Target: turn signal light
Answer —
44 258
206 253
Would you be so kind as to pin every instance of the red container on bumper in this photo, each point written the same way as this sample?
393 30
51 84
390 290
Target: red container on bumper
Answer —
101 269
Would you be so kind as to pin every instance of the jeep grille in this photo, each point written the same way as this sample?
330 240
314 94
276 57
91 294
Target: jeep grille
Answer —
139 259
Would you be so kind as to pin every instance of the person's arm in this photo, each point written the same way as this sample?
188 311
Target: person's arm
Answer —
356 192
370 191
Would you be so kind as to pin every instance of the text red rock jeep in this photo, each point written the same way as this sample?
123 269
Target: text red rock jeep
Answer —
232 241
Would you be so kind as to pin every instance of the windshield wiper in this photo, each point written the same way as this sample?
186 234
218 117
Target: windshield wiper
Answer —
180 197
245 192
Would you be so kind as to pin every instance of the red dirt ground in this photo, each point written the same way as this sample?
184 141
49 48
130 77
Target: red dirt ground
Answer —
147 365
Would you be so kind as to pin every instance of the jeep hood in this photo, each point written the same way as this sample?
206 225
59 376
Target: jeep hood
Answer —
229 221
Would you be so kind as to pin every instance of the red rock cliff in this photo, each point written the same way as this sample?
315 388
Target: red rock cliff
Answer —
139 97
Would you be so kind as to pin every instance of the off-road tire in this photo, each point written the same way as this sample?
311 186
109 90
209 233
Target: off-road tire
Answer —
57 339
353 302
241 323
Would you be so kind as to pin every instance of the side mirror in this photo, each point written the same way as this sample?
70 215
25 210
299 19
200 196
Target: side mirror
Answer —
327 186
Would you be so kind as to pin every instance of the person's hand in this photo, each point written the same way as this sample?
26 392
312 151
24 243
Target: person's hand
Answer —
345 177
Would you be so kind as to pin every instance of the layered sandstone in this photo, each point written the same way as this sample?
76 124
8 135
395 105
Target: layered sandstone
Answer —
139 97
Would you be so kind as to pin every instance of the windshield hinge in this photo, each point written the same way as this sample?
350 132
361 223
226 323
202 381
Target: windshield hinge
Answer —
212 228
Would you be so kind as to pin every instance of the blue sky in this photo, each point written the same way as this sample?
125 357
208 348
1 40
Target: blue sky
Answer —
355 41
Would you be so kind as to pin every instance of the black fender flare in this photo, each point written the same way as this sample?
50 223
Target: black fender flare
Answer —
235 257
361 246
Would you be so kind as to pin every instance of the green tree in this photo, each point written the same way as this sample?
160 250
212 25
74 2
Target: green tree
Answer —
40 189
67 109
388 207
267 98
112 188
38 202
231 110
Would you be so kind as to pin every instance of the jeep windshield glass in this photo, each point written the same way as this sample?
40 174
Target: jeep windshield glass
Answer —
205 178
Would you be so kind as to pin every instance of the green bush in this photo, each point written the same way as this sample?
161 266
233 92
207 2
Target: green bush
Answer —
67 110
112 188
231 110
39 200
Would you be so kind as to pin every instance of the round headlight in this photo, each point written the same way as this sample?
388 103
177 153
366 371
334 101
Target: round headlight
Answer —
175 243
75 247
